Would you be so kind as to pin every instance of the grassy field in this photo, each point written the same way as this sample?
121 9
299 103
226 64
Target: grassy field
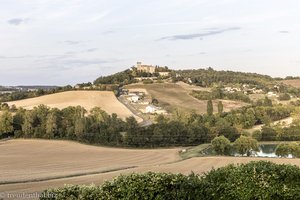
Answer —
87 99
293 82
172 96
53 163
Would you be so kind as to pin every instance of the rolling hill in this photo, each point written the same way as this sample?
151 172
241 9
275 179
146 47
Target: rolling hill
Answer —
172 96
292 82
87 99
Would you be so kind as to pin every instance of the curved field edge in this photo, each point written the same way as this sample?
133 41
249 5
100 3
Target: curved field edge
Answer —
87 99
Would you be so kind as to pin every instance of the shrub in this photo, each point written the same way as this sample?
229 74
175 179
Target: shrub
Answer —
147 81
284 149
257 135
284 97
221 145
255 180
137 186
244 145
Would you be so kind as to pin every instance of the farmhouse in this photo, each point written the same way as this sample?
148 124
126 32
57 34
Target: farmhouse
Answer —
271 94
145 68
151 109
164 74
134 98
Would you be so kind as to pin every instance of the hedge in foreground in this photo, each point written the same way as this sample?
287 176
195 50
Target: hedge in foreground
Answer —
255 180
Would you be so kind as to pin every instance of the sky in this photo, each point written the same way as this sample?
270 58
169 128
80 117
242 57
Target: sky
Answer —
60 42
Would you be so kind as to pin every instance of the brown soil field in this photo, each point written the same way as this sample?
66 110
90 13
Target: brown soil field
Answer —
26 159
176 95
293 82
87 99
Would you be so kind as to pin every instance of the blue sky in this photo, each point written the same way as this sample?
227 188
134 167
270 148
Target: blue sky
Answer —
63 42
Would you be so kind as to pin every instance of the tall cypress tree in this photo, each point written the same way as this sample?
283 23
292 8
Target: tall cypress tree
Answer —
210 108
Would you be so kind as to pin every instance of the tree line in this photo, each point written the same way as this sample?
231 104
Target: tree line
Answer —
98 127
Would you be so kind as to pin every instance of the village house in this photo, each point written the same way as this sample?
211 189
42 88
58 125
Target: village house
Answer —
232 90
134 98
164 74
271 94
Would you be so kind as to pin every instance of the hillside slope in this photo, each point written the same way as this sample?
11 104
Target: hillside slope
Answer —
172 96
87 99
292 82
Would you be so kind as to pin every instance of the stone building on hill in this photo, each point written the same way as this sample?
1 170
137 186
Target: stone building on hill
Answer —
145 68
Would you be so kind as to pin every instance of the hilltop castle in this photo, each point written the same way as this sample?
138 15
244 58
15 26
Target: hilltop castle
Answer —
145 68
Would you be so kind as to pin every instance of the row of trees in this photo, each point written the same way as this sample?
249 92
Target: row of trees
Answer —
209 77
248 116
243 145
218 93
98 127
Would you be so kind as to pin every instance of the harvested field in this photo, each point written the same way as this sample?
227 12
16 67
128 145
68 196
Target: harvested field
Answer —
87 99
293 82
36 158
172 96
28 160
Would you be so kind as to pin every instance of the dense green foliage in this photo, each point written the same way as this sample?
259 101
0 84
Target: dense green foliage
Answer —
255 180
221 145
128 76
218 93
100 128
124 77
245 145
279 133
284 149
209 77
284 97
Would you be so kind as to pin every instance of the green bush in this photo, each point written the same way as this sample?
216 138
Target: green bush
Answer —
255 180
136 186
284 97
221 145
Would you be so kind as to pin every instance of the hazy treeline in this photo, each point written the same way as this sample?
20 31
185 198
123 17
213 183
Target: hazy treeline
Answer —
18 95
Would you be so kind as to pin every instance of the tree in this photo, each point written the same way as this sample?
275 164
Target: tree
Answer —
210 108
257 135
4 106
79 128
282 150
51 125
221 145
27 127
220 107
268 134
6 123
284 97
244 145
268 102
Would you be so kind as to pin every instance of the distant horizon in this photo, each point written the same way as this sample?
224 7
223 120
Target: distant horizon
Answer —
68 42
